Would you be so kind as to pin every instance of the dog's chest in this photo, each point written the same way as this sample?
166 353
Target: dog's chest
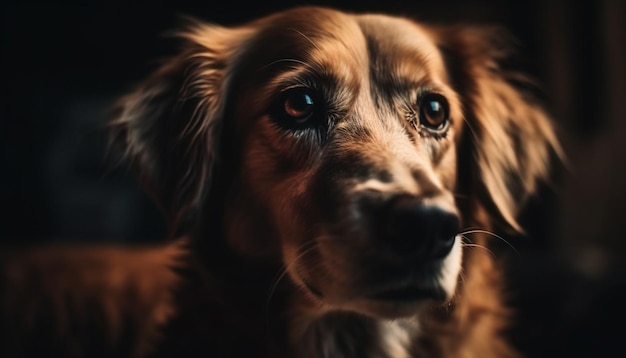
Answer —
348 336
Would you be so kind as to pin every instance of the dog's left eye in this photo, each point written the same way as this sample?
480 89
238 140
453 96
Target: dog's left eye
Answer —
299 105
296 108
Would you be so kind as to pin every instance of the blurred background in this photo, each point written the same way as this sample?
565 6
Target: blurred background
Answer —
63 63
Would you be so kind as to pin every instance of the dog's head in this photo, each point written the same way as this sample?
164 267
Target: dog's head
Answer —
353 148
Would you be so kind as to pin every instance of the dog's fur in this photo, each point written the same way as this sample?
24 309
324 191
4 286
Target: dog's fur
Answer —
291 236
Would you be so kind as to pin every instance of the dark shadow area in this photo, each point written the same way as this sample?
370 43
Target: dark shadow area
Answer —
64 63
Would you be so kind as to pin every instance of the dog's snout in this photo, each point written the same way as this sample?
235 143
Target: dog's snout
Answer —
414 226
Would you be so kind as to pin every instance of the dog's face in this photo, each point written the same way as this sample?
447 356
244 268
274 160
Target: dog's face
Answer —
349 128
336 140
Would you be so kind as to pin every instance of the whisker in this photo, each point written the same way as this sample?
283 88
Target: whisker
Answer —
473 135
462 276
302 250
480 247
308 39
300 62
460 196
479 231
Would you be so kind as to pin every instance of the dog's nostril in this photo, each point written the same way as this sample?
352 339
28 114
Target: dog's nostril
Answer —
413 226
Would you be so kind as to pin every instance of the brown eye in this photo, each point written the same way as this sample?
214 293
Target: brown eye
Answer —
434 112
299 105
298 108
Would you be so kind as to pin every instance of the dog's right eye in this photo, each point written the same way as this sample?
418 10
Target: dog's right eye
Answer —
296 108
434 113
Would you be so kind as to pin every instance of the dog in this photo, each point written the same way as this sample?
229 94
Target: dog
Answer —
329 180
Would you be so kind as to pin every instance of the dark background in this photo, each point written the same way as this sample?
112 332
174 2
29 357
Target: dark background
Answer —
64 62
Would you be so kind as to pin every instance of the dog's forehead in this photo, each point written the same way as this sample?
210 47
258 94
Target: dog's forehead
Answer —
309 28
332 40
401 49
323 39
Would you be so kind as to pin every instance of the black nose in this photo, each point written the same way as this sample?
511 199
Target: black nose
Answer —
415 227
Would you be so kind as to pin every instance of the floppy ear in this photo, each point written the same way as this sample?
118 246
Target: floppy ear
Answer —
169 127
509 139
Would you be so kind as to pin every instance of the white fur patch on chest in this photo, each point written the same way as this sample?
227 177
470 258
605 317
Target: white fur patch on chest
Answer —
347 335
396 337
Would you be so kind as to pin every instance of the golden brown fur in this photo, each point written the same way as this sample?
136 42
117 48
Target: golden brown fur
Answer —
295 240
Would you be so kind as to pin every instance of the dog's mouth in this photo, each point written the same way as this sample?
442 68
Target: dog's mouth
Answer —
378 287
409 293
394 298
401 293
